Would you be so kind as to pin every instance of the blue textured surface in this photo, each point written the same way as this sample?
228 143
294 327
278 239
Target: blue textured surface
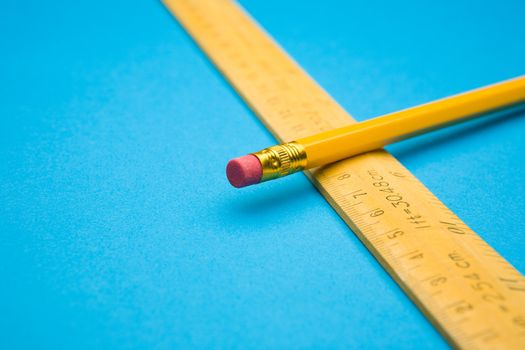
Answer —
114 231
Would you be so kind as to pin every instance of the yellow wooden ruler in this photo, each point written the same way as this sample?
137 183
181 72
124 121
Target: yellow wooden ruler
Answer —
465 288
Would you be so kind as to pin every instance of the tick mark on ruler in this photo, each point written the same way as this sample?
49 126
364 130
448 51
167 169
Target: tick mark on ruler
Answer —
414 267
429 278
370 224
455 304
353 205
409 253
462 320
487 335
356 193
521 288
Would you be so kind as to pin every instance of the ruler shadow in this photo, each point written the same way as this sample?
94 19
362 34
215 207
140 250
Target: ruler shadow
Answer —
437 138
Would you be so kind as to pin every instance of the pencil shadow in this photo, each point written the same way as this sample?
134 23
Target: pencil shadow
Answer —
289 192
282 197
422 143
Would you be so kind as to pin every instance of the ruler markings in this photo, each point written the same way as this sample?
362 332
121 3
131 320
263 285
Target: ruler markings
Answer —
397 213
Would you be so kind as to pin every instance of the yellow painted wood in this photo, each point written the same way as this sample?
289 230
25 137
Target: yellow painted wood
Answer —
340 143
466 289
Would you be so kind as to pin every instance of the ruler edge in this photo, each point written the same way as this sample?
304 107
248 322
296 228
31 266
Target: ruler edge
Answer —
311 174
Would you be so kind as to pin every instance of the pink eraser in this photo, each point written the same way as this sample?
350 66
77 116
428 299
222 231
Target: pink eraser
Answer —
244 171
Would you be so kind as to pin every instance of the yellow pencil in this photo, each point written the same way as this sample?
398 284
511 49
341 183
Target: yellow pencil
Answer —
330 146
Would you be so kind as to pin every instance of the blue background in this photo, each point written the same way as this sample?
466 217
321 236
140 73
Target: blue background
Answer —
118 228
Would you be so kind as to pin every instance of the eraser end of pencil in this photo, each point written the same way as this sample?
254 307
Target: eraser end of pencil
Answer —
244 171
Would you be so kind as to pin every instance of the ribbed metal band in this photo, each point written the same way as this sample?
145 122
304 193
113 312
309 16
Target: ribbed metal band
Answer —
281 160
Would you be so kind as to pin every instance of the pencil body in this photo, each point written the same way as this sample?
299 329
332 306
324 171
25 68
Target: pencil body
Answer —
333 145
330 146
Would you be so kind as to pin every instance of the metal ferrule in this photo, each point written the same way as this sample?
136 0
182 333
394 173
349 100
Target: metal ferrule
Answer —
281 160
